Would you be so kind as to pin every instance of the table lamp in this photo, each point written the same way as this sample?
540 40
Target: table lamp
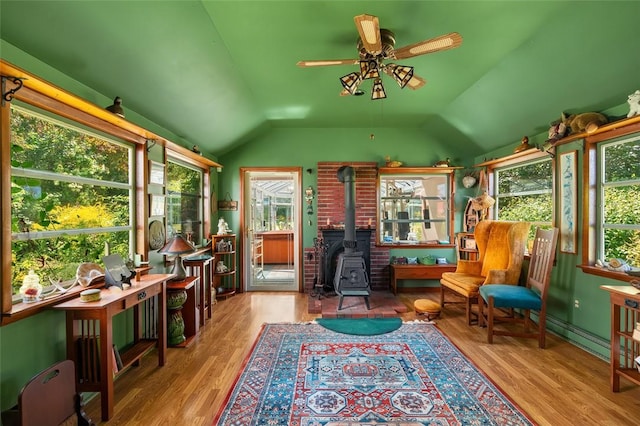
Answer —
177 245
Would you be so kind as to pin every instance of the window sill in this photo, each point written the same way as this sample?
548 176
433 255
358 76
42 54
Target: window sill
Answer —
24 310
602 272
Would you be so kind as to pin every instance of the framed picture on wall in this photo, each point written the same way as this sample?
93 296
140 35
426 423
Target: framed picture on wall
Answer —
156 205
568 201
156 173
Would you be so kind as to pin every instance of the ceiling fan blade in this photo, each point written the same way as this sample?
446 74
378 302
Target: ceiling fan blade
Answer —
437 44
416 82
369 29
327 62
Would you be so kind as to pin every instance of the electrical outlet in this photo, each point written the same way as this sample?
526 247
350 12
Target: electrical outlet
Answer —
576 303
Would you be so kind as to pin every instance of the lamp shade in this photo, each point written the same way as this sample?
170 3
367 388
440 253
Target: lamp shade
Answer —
377 92
350 82
369 69
402 75
176 246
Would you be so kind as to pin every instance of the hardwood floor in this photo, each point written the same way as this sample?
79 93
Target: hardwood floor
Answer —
560 385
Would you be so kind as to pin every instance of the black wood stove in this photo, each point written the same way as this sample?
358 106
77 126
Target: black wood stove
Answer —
351 270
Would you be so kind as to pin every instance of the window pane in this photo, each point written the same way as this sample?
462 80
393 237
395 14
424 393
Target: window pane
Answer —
622 204
619 218
525 193
41 205
622 161
533 177
42 144
184 200
623 244
70 194
532 208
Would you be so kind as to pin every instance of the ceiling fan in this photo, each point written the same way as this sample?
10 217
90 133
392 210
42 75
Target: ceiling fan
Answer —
375 46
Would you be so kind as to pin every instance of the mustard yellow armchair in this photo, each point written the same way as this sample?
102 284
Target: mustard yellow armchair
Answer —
501 246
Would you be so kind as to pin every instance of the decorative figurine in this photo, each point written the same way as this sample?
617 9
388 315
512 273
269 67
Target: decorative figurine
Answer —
634 104
223 227
221 267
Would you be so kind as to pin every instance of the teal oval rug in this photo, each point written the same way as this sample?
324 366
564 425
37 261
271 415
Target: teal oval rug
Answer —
361 326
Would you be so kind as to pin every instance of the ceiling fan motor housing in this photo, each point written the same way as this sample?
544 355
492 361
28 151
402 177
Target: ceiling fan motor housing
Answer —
388 40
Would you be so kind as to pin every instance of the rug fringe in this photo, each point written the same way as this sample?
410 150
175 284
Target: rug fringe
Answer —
419 321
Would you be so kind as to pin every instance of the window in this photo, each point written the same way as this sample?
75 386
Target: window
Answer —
618 200
414 206
525 192
71 196
184 201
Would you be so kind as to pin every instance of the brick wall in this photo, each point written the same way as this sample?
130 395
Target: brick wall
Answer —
330 205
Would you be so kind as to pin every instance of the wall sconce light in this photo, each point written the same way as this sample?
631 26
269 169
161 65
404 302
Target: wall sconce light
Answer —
309 195
116 108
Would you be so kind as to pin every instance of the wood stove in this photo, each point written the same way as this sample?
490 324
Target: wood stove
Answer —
351 277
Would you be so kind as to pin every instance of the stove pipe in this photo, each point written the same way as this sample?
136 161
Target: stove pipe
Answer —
347 175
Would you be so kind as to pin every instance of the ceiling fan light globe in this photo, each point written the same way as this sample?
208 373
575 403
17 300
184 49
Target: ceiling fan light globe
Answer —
351 81
402 75
377 92
369 69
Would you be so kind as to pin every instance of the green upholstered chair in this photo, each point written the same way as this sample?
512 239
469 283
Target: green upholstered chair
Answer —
501 246
498 302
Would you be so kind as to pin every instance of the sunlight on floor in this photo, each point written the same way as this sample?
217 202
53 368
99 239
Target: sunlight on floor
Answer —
275 307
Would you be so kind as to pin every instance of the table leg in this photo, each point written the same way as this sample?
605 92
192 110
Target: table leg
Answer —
162 325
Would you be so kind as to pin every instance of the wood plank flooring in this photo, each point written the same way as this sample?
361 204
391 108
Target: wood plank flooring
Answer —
560 385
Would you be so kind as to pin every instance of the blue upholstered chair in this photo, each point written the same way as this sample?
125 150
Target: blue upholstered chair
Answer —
498 302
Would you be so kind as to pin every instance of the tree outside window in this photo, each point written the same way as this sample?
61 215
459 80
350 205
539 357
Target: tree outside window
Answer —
524 192
184 201
619 198
70 194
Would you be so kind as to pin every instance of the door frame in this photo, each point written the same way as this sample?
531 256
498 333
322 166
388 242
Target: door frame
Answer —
297 228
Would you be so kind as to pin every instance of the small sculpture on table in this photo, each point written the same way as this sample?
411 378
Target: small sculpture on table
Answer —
221 267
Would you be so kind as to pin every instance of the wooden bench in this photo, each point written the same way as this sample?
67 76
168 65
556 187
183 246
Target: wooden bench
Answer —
417 272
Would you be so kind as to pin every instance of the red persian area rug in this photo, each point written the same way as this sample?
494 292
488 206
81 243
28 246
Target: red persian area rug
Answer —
304 374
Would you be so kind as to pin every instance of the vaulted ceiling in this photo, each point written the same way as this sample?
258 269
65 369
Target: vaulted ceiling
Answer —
218 73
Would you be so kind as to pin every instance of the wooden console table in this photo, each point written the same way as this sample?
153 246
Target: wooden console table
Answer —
625 313
417 272
90 345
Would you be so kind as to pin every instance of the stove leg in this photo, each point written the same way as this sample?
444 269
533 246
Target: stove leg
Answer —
366 302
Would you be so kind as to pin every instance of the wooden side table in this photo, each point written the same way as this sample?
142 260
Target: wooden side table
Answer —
417 272
182 313
625 314
202 267
90 333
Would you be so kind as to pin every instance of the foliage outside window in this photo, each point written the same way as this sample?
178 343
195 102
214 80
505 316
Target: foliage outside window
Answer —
524 192
618 215
184 201
71 193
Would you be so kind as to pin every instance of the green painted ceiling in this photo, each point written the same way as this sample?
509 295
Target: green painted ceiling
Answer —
218 73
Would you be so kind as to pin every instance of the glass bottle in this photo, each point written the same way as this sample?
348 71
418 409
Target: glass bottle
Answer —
31 288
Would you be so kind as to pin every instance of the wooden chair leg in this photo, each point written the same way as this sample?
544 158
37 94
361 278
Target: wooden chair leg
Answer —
468 311
481 321
542 330
441 296
490 320
527 320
